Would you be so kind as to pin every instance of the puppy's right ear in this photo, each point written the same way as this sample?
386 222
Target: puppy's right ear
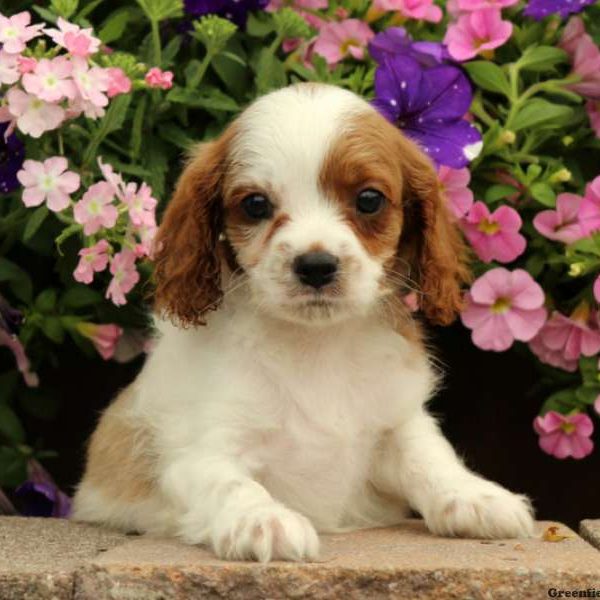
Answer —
187 263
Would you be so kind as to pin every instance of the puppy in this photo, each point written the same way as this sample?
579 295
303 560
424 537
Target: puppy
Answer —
286 395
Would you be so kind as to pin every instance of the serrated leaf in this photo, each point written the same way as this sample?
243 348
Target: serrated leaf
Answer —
160 10
34 222
542 114
114 26
488 76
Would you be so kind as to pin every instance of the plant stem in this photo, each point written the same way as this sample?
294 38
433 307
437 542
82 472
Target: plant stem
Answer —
198 76
156 48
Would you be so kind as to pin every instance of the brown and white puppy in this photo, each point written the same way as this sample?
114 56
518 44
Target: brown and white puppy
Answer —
300 405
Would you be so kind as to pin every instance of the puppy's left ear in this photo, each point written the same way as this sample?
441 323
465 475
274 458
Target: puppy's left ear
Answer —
438 253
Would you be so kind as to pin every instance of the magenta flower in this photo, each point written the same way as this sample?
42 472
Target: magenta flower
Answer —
589 211
51 80
504 306
562 224
420 10
593 110
597 289
159 79
48 181
26 64
32 115
79 42
104 337
118 82
454 184
494 236
140 203
565 435
95 209
125 276
473 5
338 40
477 33
9 68
92 260
15 32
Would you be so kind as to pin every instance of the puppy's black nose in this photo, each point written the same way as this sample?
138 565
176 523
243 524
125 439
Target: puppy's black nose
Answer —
316 268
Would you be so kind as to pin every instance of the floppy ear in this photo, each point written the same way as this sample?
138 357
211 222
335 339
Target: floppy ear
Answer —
187 262
435 246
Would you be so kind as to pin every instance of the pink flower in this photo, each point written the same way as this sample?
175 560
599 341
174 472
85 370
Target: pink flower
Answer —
27 64
504 306
597 405
473 5
92 260
565 435
562 224
113 178
95 209
593 110
159 79
104 337
141 204
91 83
337 40
494 236
421 10
589 211
15 32
32 115
572 34
454 185
597 289
51 80
9 68
13 343
146 233
125 276
554 358
118 82
79 42
49 181
477 33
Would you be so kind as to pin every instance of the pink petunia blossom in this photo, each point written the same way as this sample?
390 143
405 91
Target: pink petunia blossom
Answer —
494 236
454 185
104 337
48 181
125 276
32 115
92 83
562 224
473 5
159 79
92 260
589 211
572 34
476 33
592 108
79 42
118 82
140 203
504 306
15 32
420 10
597 289
565 435
9 68
554 358
95 209
51 80
27 64
13 343
597 405
337 40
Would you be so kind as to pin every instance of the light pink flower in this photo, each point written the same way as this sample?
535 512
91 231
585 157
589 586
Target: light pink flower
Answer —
454 184
125 276
565 435
421 10
494 236
32 115
275 5
585 56
473 5
79 42
140 203
80 106
92 83
504 306
15 32
554 358
146 233
477 33
589 211
572 34
337 40
562 224
92 260
48 181
113 178
593 110
9 68
27 64
118 82
51 80
104 337
159 79
95 209
597 405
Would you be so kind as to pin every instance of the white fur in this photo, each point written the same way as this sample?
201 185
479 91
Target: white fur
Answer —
272 424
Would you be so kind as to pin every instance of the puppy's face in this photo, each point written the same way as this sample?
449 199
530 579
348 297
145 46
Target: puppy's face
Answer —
321 208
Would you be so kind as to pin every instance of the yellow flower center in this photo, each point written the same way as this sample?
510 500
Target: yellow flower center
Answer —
501 305
488 227
568 428
347 44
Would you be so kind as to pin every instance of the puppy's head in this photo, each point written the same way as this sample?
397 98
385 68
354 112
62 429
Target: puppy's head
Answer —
320 206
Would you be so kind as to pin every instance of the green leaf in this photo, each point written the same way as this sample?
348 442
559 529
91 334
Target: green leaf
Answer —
160 10
170 50
64 8
289 24
587 394
10 426
209 97
13 467
53 329
45 14
18 280
542 114
175 135
563 402
214 33
39 404
535 264
136 128
541 58
114 26
80 296
8 384
259 24
488 76
270 72
35 222
499 192
544 194
46 301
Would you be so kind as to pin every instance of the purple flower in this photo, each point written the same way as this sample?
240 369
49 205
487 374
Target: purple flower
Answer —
538 9
234 10
395 41
429 105
40 496
12 155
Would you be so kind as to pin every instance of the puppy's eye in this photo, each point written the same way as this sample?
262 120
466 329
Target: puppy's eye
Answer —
257 206
369 201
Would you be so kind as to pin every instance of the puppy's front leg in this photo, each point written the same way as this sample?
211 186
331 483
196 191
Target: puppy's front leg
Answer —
418 463
222 506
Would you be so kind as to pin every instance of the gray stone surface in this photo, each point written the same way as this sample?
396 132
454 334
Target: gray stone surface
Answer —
590 531
61 560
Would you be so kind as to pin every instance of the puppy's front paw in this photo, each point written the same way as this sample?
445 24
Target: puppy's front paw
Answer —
480 509
266 532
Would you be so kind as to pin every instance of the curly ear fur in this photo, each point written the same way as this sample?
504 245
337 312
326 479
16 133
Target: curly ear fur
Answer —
437 250
187 261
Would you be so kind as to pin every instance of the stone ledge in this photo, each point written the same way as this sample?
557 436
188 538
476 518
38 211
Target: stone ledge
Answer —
590 531
48 559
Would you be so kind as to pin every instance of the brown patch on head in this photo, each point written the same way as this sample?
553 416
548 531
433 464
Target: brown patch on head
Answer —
413 234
